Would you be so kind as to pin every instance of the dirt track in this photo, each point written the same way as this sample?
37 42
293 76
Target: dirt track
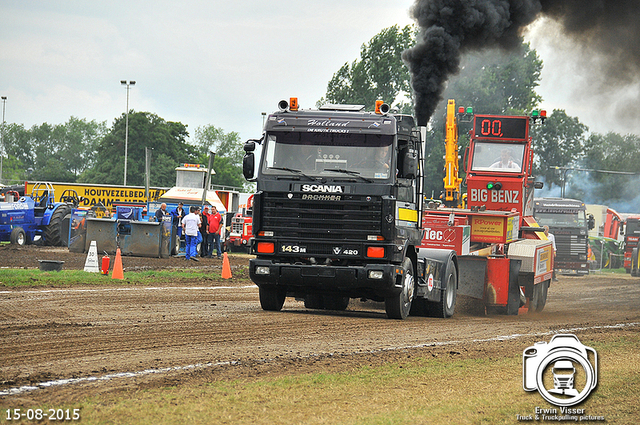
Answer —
217 330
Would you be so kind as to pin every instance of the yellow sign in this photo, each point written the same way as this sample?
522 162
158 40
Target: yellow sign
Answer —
107 195
487 229
544 259
406 214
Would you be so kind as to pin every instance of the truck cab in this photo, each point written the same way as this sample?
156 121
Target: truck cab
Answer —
335 214
570 225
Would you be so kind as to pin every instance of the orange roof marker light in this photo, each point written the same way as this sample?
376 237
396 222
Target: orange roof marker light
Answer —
381 107
293 104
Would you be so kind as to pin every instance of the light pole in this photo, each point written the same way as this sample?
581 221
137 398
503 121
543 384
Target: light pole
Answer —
4 102
126 131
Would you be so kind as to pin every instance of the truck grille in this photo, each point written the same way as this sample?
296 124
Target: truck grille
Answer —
236 226
351 218
571 244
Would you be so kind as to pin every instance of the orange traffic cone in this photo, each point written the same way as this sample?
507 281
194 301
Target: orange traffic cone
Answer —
226 267
117 267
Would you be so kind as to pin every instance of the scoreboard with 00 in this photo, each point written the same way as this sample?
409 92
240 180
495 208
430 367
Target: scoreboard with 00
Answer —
497 127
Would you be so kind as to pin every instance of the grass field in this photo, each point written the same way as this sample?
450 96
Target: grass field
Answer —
422 391
34 277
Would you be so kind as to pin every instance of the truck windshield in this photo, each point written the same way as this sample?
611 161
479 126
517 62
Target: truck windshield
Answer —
633 227
365 155
501 157
571 218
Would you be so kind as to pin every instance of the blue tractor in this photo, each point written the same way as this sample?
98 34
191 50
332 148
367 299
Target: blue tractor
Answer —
37 217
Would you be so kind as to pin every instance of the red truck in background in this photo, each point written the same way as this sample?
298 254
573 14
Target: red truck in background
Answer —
241 234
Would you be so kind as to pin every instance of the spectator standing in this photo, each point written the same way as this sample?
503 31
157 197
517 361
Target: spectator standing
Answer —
204 246
215 225
161 213
191 223
178 214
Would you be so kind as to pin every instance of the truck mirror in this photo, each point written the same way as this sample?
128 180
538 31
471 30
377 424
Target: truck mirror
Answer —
250 146
592 221
409 165
248 165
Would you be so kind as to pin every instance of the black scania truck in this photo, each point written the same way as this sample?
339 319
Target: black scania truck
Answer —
337 208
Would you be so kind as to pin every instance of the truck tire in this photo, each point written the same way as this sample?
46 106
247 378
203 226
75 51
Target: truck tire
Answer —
335 302
447 304
176 246
272 297
313 302
54 233
399 306
18 237
539 297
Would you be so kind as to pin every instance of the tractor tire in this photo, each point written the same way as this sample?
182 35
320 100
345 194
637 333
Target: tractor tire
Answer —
447 304
54 233
399 306
272 297
18 236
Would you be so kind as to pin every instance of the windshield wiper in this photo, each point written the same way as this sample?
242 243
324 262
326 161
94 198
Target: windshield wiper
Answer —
294 171
349 172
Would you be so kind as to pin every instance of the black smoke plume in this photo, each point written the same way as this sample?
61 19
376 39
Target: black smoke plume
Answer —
450 28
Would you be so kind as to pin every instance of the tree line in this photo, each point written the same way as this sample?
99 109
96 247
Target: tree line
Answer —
83 151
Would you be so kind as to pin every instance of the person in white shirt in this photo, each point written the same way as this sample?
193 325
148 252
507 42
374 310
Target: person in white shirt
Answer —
506 161
191 224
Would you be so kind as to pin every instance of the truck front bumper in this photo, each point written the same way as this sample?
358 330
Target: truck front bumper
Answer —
369 280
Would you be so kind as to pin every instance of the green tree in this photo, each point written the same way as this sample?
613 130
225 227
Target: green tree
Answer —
379 74
229 153
166 139
559 142
497 82
610 153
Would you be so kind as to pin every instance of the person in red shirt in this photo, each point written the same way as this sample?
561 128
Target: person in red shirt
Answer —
214 228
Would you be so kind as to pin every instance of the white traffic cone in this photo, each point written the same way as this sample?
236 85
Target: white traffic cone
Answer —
91 264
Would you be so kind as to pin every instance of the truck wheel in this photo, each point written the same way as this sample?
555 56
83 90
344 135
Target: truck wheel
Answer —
398 306
539 298
175 249
333 302
272 297
18 237
314 302
447 304
54 233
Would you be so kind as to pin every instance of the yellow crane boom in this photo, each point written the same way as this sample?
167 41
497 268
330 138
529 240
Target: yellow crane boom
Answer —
452 181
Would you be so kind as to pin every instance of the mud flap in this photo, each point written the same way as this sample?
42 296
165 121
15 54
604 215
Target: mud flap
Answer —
471 280
502 294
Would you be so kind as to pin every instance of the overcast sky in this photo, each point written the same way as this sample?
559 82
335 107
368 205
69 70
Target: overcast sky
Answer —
215 62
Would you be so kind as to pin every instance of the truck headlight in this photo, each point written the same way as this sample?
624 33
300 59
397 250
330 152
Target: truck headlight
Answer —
376 274
264 270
